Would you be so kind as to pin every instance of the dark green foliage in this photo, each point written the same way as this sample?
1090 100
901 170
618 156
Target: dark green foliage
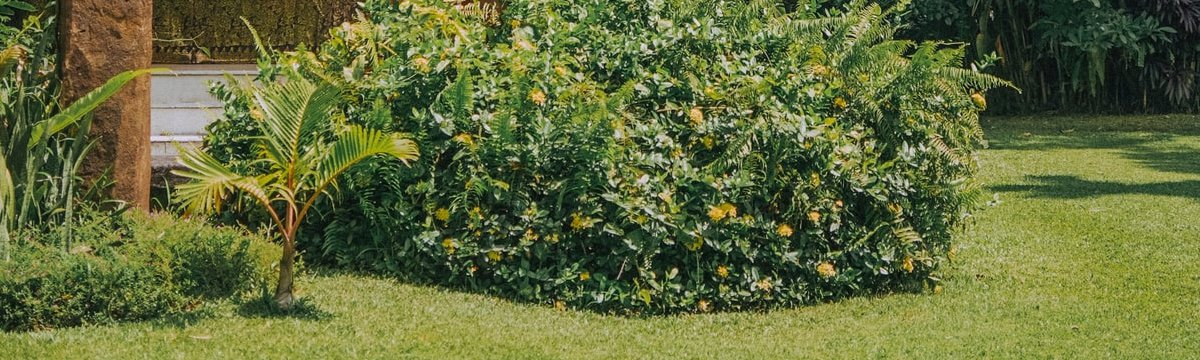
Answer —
44 288
128 269
650 156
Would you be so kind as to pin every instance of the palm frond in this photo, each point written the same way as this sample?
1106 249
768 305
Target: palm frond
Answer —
211 182
292 114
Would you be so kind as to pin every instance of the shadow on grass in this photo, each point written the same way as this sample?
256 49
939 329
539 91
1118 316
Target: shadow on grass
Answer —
264 307
1074 187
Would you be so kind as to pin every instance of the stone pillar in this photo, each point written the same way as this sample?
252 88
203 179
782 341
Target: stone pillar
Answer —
100 39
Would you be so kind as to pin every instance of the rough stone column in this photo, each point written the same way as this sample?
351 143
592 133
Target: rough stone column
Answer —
102 38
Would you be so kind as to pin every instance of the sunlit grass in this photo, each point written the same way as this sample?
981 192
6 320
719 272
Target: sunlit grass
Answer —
1092 251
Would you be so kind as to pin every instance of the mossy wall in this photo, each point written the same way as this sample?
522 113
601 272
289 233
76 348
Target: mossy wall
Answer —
189 31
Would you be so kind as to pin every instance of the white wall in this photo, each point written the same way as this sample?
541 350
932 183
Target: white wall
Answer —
181 106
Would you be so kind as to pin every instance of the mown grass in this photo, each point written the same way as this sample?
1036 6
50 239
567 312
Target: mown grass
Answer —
1091 251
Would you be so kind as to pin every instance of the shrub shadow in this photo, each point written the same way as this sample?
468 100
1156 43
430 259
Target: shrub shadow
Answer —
1074 187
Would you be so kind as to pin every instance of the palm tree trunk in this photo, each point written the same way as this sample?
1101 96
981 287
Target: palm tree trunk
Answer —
284 298
283 291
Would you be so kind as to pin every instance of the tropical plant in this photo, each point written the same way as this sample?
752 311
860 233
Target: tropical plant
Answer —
304 147
646 156
41 142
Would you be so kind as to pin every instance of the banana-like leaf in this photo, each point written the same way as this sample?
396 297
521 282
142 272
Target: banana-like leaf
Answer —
85 105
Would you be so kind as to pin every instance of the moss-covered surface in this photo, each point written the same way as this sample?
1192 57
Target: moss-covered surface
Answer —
212 30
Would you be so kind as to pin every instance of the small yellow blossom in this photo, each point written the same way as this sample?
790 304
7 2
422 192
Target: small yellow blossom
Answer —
560 305
421 64
908 264
514 23
720 212
442 214
708 142
764 285
937 289
531 236
552 238
450 246
979 101
814 216
584 276
473 269
561 71
465 139
826 270
703 305
580 222
722 271
696 115
538 96
840 103
784 230
838 204
696 244
494 256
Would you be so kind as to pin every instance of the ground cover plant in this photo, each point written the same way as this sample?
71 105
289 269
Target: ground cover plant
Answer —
1087 251
643 156
128 268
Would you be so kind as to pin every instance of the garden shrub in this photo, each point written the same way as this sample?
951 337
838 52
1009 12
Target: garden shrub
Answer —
646 157
126 269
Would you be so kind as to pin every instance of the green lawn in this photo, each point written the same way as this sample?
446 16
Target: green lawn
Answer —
1093 250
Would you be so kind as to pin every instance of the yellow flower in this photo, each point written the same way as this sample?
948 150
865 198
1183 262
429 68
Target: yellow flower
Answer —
716 213
764 285
720 212
494 255
421 64
703 305
442 214
826 270
561 71
784 230
465 139
514 23
730 210
908 264
840 103
450 246
708 142
937 289
584 276
722 271
838 204
696 245
979 101
580 222
538 96
560 305
531 236
814 216
814 179
696 116
473 269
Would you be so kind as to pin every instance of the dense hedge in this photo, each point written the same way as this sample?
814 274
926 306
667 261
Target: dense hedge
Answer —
130 269
645 156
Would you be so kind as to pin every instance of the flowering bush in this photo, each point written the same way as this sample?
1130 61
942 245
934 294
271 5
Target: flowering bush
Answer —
648 156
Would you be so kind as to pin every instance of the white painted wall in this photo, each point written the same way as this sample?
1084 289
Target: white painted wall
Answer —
180 106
